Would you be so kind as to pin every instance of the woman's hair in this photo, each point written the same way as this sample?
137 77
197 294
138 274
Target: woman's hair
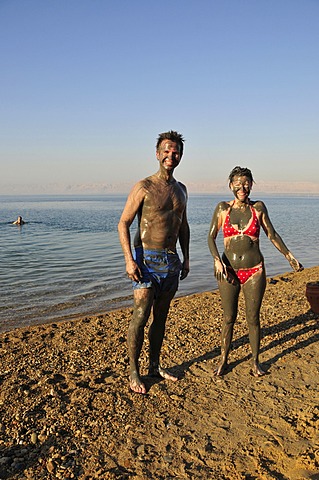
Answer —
240 172
173 137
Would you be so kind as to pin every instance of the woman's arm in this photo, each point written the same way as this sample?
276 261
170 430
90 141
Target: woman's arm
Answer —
275 238
216 223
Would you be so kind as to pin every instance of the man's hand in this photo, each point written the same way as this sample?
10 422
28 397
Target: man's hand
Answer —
133 272
185 270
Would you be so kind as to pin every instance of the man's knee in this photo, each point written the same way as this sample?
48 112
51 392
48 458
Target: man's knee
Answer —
229 319
253 321
143 299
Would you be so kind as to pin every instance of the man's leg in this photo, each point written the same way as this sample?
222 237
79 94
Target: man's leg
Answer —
254 290
156 334
229 295
143 301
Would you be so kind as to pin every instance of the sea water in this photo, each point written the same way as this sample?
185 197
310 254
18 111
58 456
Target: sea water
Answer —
67 261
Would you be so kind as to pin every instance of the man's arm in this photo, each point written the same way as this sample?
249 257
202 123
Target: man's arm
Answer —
184 238
133 203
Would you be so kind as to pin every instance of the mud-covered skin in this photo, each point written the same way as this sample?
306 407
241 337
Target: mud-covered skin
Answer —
160 215
242 252
159 203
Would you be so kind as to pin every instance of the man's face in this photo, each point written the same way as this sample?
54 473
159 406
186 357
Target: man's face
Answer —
241 186
168 154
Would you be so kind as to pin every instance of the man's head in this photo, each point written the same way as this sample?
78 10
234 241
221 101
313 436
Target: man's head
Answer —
173 137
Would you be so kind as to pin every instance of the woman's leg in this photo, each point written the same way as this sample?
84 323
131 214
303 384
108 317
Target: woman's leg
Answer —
229 295
254 290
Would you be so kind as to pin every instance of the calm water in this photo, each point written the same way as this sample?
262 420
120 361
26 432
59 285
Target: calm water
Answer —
66 260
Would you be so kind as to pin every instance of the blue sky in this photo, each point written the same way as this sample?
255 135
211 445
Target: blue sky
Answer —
86 86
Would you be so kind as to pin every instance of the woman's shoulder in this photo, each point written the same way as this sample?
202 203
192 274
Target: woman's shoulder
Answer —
223 206
258 205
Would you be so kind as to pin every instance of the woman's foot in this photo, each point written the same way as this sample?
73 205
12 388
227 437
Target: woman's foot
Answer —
161 372
221 369
257 371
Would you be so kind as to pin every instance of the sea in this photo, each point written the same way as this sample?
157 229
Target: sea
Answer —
66 260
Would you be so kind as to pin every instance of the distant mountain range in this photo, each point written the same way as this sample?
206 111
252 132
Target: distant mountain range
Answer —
297 188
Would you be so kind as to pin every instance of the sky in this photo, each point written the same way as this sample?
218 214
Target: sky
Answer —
87 86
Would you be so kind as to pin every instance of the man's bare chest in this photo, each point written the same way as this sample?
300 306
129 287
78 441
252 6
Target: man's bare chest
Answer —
164 201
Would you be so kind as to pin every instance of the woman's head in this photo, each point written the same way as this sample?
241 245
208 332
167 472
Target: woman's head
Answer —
240 172
240 182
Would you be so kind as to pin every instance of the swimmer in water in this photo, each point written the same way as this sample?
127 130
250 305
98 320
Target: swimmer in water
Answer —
19 221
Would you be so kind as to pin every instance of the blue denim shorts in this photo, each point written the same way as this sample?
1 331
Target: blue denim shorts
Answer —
160 269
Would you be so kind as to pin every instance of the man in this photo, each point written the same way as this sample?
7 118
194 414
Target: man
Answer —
159 202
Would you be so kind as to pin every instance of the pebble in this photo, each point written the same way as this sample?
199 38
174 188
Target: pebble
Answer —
50 466
168 458
140 450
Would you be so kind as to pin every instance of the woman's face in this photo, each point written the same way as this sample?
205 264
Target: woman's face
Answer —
241 187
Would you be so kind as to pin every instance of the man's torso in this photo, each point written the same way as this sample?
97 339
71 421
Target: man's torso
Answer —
161 214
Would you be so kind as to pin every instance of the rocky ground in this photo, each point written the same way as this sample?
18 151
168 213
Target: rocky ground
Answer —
67 411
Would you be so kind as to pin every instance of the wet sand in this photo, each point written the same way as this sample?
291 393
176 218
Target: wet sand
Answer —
67 411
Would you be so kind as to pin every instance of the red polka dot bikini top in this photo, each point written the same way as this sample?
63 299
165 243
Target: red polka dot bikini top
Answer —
252 229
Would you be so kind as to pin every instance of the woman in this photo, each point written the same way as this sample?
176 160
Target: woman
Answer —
242 263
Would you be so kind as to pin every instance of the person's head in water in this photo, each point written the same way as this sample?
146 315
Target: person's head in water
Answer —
19 221
173 137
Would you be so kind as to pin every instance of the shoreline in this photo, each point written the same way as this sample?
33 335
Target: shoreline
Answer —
123 303
67 411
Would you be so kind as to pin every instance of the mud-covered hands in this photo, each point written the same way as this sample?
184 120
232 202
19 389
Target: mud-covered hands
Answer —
220 270
295 265
185 270
222 273
132 271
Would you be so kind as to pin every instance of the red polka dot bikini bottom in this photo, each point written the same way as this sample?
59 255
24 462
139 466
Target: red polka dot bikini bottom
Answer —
244 274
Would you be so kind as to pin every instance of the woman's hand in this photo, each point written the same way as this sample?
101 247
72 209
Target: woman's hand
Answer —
295 265
222 274
220 270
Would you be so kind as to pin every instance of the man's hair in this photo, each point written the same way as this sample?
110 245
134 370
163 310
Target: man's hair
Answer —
174 137
240 172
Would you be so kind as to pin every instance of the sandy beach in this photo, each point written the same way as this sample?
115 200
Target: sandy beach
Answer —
67 411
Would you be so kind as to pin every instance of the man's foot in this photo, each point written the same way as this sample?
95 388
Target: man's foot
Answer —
221 369
257 371
136 383
162 373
